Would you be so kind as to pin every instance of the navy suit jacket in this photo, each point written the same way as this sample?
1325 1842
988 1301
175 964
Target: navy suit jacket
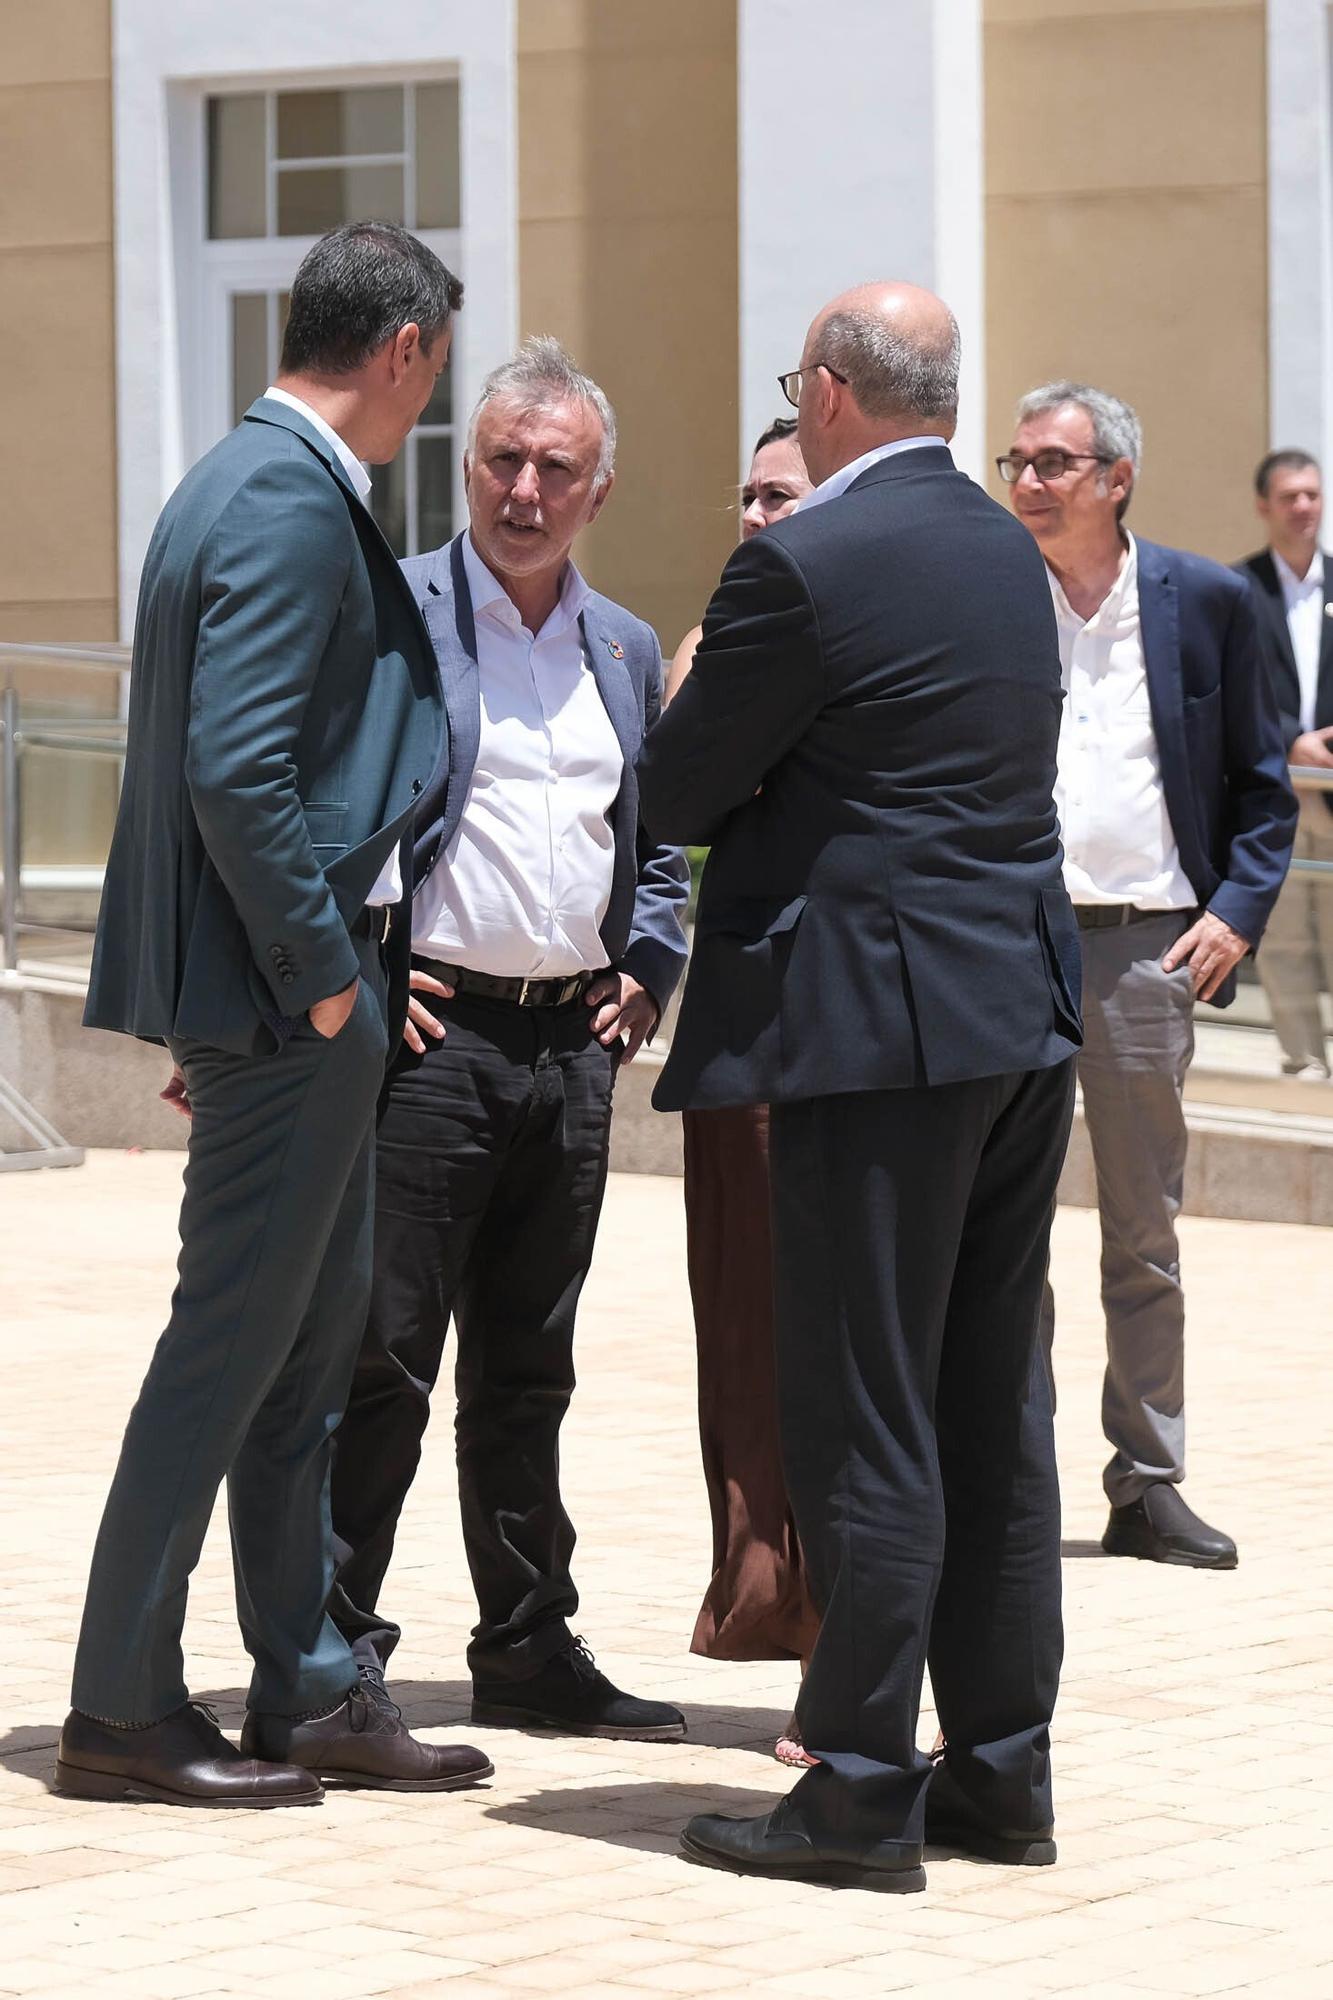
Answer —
650 885
1215 718
867 737
1260 572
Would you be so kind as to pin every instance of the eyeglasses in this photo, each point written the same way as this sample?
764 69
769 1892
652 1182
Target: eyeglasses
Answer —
1048 465
790 383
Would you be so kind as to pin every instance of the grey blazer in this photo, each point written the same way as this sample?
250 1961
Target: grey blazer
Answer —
284 714
642 931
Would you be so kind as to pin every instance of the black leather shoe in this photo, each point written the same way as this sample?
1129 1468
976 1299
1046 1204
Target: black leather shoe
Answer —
184 1760
366 1743
1159 1527
777 1844
952 1821
571 1695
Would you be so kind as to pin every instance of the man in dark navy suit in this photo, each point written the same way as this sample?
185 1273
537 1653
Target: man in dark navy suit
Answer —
1177 821
1293 592
885 954
546 941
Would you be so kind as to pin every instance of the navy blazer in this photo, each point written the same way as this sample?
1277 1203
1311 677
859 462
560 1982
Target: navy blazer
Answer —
1260 572
650 885
868 737
1215 718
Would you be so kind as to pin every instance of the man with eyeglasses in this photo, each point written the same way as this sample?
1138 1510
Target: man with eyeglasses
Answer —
1177 821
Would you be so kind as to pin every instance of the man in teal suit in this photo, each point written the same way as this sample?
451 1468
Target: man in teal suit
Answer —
285 712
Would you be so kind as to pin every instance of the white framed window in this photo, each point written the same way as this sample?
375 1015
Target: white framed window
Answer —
283 165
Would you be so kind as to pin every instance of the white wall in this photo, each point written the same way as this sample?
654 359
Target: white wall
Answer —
1300 227
860 141
165 54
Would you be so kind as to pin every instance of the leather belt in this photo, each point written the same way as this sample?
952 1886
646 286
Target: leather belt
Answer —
519 992
375 923
1113 916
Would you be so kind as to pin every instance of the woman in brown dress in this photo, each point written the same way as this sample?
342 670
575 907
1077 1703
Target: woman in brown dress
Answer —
757 1605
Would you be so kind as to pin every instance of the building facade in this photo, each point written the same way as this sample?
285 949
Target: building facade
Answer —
1135 193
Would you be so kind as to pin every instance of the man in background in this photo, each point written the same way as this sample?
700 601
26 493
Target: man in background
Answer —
1293 589
1177 820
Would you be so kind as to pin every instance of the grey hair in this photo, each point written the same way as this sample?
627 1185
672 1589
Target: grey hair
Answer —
889 373
540 374
1116 430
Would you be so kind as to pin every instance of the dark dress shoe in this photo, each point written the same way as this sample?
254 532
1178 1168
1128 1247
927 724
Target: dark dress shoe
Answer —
1160 1528
365 1742
953 1821
572 1695
777 1844
184 1760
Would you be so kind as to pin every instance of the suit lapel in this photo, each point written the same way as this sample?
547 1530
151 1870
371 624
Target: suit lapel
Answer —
606 657
453 635
1159 625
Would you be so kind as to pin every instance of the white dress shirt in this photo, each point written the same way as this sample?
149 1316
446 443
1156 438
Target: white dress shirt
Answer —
837 482
522 889
389 886
1118 839
1304 599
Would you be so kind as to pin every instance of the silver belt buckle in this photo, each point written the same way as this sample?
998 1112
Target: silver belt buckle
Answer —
523 993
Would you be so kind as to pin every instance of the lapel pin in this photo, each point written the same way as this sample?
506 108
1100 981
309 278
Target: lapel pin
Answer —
615 649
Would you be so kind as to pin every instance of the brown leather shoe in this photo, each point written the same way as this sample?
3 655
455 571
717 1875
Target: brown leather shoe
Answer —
364 1742
184 1760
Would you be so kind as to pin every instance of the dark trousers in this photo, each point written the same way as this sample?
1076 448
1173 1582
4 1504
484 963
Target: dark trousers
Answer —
249 1379
911 1232
491 1167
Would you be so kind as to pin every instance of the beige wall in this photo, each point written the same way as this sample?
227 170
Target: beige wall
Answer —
1126 236
628 252
57 386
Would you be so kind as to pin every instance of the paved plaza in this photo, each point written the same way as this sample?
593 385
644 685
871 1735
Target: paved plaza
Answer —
1194 1740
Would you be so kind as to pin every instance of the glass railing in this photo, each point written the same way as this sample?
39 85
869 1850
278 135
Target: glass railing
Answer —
62 748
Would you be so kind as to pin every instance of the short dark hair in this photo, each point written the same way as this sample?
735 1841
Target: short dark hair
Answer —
781 427
1291 460
357 288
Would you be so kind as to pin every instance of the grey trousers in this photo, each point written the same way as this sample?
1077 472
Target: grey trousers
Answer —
250 1378
1138 1025
1297 958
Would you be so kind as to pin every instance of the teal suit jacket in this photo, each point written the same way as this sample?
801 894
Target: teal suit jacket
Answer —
285 711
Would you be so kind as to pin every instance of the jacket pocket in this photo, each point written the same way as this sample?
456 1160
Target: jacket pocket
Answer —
753 918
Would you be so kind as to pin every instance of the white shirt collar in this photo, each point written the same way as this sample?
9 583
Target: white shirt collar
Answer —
1120 599
347 458
489 594
1293 584
837 482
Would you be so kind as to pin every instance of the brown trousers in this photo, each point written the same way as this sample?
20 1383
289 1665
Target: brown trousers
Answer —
757 1606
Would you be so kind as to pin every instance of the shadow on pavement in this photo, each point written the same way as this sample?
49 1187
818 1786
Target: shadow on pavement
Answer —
647 1818
1083 1549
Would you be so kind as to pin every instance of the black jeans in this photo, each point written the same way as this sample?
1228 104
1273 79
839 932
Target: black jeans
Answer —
911 1232
491 1167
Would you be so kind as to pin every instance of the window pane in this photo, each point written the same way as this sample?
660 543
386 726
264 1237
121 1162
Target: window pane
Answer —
326 124
435 491
440 408
313 199
249 350
236 167
437 156
388 501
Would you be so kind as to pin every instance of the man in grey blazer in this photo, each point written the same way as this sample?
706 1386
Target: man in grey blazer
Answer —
546 941
284 714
